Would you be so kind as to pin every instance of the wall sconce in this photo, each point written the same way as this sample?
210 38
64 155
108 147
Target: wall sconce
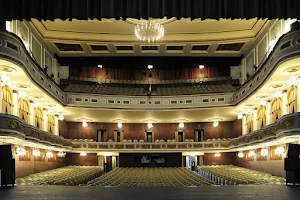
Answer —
251 153
49 154
21 151
83 154
120 124
217 155
280 150
84 124
149 125
241 154
264 152
215 123
181 125
61 154
36 153
201 66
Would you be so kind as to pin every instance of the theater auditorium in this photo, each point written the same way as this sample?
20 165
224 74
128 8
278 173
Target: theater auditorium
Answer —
172 99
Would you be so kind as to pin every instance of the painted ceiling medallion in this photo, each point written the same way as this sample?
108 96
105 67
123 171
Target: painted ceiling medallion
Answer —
23 86
7 69
292 69
262 96
276 85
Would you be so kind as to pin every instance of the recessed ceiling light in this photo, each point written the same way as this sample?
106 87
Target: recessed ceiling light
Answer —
23 86
279 85
7 69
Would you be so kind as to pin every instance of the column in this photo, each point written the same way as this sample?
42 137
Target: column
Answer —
196 161
298 97
255 127
31 113
243 71
101 161
15 103
244 128
187 161
201 160
0 97
268 113
45 122
114 162
284 102
56 131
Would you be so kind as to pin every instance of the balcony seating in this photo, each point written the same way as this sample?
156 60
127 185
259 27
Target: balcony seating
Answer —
135 141
71 175
150 177
83 140
233 175
141 141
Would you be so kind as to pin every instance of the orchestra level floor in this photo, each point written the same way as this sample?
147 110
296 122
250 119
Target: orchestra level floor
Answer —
265 192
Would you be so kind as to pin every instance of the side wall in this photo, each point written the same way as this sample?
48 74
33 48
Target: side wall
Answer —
165 131
91 159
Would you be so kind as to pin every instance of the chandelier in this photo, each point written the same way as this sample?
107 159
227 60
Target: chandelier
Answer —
149 31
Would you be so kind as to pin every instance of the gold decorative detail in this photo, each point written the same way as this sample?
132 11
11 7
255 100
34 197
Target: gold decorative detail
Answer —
279 85
262 96
37 97
7 69
23 86
292 69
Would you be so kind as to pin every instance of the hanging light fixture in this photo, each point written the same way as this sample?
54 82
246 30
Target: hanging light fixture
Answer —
61 154
279 150
241 154
149 31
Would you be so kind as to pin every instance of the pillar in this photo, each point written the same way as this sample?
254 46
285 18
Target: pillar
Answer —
56 131
187 161
268 113
31 113
101 161
0 97
196 160
45 122
243 71
114 162
201 161
255 127
284 103
298 97
15 103
244 128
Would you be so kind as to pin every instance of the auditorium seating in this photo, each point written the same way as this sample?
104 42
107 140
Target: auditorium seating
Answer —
150 177
233 175
71 175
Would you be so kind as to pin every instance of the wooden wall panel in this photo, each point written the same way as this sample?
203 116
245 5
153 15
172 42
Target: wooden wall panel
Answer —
91 159
165 131
157 74
224 159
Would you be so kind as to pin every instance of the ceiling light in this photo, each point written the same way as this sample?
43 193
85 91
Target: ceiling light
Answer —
280 150
120 124
100 66
149 125
240 116
83 154
217 154
149 31
251 153
241 154
36 153
5 79
50 112
150 67
61 154
294 79
49 154
201 66
21 94
215 123
250 111
278 94
264 152
61 117
263 103
21 151
181 125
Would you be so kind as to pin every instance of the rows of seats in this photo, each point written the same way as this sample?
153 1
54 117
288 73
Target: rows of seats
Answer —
218 139
150 177
141 91
233 175
83 140
71 175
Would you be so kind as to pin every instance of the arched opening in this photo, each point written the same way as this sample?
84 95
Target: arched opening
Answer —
261 117
292 100
51 123
23 110
39 118
276 109
6 100
249 123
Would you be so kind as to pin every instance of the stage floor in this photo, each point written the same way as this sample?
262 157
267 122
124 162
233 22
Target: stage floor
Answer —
257 192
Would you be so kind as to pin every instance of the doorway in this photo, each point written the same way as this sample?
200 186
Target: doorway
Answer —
149 136
198 135
102 136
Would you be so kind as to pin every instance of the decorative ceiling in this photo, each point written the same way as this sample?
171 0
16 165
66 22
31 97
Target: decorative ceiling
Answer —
182 37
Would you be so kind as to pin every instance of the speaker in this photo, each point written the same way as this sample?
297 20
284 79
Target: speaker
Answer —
293 151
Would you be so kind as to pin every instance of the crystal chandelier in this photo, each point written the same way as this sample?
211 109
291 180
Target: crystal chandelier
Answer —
149 31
